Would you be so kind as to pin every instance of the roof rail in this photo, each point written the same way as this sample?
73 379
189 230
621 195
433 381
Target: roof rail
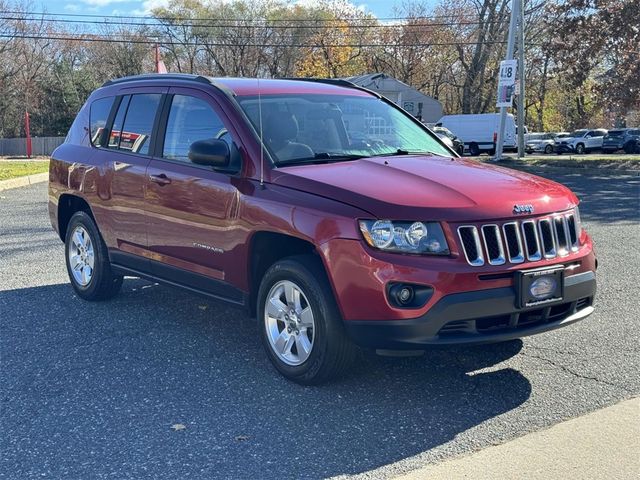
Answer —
341 82
159 76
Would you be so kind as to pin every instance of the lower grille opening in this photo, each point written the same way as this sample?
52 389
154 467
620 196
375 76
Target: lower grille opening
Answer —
492 323
516 321
583 303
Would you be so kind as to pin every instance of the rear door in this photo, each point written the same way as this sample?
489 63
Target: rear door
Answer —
192 209
126 153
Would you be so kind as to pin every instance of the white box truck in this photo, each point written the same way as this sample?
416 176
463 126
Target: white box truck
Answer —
479 132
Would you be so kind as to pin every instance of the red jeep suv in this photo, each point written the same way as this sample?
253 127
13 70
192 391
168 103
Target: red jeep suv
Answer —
322 208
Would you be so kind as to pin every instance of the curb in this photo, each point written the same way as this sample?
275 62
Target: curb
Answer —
23 181
599 444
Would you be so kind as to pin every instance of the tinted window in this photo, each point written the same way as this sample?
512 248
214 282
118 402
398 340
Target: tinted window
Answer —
634 132
116 129
98 118
191 119
138 123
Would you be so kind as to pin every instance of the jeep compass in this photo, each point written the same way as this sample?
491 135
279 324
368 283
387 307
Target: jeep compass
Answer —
328 213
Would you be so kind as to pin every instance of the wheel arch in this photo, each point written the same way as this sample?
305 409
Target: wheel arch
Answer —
68 204
265 249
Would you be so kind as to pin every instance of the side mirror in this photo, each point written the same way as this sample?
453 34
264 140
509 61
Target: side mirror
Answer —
212 151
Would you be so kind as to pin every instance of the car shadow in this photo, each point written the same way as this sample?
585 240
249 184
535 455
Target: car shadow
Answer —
94 389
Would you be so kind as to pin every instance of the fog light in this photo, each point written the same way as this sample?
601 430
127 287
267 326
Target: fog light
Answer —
405 295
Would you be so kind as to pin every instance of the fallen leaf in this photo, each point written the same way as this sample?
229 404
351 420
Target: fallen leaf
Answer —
203 307
178 426
242 438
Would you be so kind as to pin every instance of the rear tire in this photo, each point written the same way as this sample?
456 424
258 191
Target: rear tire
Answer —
474 150
299 321
580 149
548 149
87 260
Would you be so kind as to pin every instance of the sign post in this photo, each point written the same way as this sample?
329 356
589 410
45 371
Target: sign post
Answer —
27 131
515 6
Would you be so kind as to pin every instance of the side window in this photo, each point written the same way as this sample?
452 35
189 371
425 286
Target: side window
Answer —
99 113
191 119
138 123
116 129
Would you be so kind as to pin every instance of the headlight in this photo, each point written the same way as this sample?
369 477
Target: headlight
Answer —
406 237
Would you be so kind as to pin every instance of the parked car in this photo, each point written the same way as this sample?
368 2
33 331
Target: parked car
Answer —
539 142
456 144
479 132
581 141
328 213
626 139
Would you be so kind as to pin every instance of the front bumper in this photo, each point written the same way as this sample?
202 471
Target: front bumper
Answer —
481 316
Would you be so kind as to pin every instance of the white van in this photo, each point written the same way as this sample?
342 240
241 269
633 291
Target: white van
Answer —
479 132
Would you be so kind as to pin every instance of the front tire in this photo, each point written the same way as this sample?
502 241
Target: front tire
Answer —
87 260
299 321
580 149
548 149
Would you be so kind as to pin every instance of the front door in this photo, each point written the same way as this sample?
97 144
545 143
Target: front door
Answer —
192 209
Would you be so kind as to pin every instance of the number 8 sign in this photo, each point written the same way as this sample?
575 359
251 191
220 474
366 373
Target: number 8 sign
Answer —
506 82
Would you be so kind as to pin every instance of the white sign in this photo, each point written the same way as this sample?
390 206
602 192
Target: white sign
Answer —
506 83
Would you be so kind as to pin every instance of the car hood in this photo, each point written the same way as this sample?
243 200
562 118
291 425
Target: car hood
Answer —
427 187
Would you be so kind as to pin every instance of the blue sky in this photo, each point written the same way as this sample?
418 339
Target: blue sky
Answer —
380 8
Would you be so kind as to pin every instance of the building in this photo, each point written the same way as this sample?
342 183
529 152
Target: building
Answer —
421 106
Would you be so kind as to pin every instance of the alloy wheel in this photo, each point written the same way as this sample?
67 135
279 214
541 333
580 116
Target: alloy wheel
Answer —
81 256
289 323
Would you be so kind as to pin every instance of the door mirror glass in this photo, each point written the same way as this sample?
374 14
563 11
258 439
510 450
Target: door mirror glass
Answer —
212 152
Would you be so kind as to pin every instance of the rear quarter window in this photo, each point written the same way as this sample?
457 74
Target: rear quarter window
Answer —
98 116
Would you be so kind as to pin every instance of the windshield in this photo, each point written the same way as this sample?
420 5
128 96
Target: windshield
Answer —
536 136
616 133
578 133
301 127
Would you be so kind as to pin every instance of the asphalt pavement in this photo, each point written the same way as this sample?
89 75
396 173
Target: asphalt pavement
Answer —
159 383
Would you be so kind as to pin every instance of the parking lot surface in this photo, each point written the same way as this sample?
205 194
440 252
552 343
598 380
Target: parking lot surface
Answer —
159 383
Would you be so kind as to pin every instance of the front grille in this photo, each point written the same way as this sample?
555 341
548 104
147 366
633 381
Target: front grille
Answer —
548 237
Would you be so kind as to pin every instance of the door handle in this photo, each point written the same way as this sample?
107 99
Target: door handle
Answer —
161 179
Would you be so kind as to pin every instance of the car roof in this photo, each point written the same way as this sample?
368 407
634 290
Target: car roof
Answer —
253 86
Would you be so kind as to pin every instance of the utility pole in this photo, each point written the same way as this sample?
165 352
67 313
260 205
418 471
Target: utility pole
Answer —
521 96
515 6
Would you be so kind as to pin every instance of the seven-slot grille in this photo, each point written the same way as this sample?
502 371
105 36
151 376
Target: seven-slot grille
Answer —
514 241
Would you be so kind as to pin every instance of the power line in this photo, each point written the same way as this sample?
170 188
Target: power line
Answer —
228 44
186 18
264 23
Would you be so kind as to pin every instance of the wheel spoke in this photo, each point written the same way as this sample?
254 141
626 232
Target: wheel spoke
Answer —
86 274
303 346
74 261
77 239
287 347
306 317
281 341
293 295
275 307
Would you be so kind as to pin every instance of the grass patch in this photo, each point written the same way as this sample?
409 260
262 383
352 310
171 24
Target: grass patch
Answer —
11 169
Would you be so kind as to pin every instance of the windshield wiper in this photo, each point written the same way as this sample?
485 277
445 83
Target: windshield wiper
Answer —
399 152
321 157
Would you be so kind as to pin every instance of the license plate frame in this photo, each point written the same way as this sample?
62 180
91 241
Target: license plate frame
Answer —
524 281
